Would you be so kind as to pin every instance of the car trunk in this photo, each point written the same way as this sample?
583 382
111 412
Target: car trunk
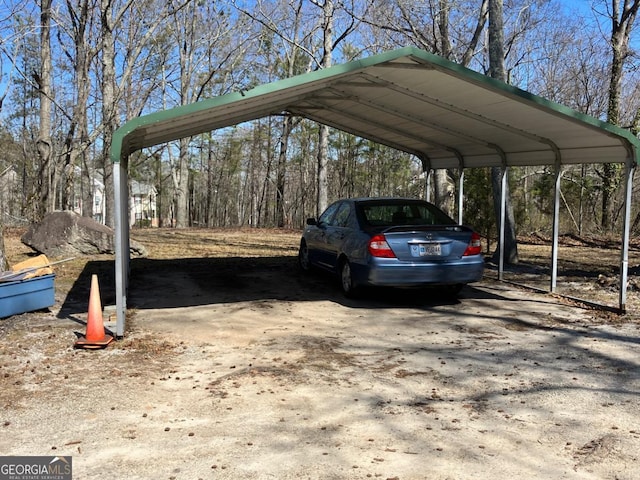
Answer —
429 243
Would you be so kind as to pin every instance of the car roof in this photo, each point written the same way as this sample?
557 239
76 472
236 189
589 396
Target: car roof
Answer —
387 200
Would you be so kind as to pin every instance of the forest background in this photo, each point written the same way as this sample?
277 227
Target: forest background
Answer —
73 71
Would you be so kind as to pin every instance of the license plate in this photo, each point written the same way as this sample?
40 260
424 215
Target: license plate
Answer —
426 249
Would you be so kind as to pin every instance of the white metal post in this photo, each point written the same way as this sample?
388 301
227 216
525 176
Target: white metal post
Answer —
120 245
556 228
624 254
460 195
503 210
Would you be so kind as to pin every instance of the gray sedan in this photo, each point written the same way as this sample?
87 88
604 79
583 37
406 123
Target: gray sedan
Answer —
393 242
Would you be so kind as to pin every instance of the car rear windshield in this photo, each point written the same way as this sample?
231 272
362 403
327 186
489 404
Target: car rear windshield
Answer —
390 214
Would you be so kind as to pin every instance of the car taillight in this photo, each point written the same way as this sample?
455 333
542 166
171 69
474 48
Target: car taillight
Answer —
474 247
378 247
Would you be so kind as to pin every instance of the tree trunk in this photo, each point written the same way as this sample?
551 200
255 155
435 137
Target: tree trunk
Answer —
44 144
208 207
444 191
160 189
442 187
78 136
108 106
181 184
621 26
497 71
328 11
281 175
323 182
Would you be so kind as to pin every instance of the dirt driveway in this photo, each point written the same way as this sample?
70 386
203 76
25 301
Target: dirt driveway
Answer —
242 368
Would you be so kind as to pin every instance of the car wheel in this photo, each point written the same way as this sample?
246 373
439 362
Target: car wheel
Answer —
346 279
303 257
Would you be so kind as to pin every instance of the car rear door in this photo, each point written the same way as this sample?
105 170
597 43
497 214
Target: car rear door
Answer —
317 238
336 233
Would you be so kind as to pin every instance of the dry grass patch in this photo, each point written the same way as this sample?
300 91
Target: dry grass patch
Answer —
581 262
217 243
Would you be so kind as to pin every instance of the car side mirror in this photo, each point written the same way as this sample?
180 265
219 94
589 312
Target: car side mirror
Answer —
312 221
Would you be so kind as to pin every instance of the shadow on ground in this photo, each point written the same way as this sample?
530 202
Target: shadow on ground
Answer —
77 298
188 282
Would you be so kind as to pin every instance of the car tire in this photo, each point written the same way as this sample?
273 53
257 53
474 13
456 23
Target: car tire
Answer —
347 284
303 257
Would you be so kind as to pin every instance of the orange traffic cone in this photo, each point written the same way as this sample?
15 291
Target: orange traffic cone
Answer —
95 336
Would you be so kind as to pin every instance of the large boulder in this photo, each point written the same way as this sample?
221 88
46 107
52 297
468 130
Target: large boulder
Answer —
68 234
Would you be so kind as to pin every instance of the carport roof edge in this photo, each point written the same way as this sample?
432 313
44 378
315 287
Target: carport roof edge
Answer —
436 109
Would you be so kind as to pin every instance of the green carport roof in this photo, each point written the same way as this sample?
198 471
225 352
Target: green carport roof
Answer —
413 101
446 115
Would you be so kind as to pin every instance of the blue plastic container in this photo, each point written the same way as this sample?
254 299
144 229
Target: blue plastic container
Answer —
26 295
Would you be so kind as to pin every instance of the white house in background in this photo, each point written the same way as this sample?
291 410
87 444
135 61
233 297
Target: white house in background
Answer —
98 201
8 185
142 205
98 209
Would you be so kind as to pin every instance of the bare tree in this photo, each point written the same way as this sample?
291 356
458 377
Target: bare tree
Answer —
497 71
78 139
330 42
286 22
295 45
44 196
328 11
444 196
6 77
622 16
112 18
429 26
204 37
293 54
108 22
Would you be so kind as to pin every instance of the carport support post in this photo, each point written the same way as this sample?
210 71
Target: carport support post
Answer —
121 241
460 195
556 228
624 254
460 186
503 210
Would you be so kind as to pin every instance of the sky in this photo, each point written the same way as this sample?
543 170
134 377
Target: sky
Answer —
579 4
584 8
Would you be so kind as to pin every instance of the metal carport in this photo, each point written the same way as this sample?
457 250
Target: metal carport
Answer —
446 115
